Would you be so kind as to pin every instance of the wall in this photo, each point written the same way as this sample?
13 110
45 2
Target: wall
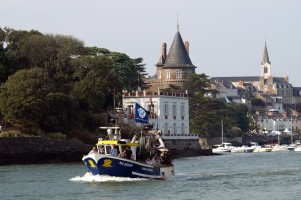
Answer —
184 144
40 150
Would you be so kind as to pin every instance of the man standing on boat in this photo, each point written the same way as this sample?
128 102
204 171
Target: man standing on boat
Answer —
93 150
128 153
113 151
101 150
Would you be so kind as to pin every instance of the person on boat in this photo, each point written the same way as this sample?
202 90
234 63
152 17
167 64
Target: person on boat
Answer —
93 150
101 150
149 161
157 160
122 154
128 153
114 151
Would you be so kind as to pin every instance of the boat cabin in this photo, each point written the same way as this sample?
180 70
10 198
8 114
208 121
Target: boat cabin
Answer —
115 141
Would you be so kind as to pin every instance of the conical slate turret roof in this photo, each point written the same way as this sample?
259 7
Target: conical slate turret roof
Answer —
177 55
161 61
265 58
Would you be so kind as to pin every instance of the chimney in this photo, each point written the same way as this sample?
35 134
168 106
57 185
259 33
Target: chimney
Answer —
286 78
187 46
164 50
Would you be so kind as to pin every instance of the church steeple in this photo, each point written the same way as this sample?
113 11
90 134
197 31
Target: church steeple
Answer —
265 64
265 58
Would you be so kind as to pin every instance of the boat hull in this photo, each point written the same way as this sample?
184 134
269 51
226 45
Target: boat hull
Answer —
99 164
262 149
242 150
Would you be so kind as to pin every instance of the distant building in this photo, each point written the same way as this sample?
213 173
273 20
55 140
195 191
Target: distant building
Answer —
169 113
172 68
278 88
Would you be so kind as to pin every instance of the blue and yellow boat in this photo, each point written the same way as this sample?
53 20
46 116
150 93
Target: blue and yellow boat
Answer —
143 158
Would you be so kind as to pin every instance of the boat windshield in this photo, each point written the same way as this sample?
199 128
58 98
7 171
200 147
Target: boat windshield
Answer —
108 149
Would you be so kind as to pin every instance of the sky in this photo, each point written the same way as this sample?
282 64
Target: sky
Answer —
226 37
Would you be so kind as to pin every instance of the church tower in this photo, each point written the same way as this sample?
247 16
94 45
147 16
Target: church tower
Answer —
266 78
265 64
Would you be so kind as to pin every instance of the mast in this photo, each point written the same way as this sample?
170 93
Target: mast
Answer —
222 132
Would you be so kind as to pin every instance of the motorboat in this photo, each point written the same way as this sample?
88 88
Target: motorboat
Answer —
242 149
222 148
297 148
279 148
291 147
149 156
259 149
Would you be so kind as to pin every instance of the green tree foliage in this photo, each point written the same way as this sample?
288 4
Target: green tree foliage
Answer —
60 114
22 96
15 40
197 83
258 102
94 82
56 84
206 113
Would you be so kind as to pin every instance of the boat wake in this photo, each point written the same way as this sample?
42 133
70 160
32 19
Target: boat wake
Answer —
88 177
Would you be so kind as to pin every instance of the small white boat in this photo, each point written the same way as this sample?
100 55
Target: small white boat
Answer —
279 148
242 149
260 149
222 148
291 147
297 148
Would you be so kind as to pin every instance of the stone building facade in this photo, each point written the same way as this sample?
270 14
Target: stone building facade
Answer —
172 68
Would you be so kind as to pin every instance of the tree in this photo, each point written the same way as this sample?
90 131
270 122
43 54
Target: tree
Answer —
197 83
60 114
94 82
22 96
258 102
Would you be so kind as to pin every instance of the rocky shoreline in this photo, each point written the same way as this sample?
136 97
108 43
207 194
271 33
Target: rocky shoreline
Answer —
36 150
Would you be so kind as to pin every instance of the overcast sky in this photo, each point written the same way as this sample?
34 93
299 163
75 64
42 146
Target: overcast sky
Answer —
226 36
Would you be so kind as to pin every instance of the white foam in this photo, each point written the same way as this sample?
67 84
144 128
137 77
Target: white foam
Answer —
88 177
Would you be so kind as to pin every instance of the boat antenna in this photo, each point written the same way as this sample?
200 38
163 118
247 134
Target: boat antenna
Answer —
222 132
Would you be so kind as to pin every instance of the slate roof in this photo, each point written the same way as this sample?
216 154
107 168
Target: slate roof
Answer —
280 80
265 58
237 78
177 55
161 61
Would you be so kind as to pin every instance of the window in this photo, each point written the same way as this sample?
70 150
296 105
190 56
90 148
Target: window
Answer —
166 111
182 111
131 109
166 128
159 74
179 74
182 129
174 128
265 70
167 74
174 111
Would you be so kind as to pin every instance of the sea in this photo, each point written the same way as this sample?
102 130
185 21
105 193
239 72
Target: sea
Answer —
274 175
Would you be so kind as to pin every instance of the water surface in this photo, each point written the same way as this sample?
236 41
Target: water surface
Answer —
232 176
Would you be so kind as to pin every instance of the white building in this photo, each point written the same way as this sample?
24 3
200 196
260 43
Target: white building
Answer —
169 113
